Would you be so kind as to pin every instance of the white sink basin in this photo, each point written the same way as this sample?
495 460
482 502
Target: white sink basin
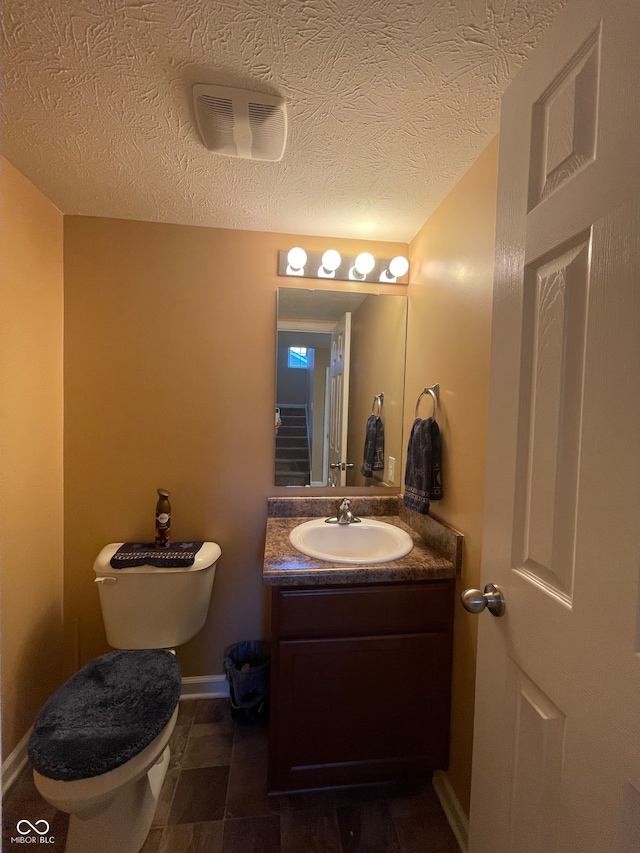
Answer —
367 542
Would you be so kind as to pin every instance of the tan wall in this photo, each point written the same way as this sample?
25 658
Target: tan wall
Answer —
170 382
31 396
450 296
376 369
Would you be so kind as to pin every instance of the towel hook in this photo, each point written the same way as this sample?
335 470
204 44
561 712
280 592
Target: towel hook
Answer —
434 393
377 399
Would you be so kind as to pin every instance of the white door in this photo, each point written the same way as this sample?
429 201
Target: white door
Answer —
556 765
339 401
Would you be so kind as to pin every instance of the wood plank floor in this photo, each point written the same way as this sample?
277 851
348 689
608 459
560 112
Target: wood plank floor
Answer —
214 801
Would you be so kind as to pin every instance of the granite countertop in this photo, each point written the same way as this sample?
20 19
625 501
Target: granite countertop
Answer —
284 565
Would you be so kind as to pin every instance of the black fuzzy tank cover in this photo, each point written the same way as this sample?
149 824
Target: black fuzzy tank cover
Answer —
105 714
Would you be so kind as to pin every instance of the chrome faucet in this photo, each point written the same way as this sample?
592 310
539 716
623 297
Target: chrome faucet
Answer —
345 516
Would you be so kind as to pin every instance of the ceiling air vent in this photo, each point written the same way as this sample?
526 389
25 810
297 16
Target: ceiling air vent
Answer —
240 123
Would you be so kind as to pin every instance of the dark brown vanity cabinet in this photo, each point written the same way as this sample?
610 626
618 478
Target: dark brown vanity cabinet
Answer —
360 683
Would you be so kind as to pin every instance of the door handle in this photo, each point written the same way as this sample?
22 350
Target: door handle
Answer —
341 465
475 601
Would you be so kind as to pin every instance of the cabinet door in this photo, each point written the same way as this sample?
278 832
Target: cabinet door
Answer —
359 709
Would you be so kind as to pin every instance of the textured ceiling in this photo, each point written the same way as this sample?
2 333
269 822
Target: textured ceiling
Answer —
295 303
389 102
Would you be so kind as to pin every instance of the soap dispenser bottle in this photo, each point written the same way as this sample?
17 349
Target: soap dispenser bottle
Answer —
163 520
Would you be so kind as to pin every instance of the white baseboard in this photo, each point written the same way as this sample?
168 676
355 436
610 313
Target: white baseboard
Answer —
12 767
204 687
454 812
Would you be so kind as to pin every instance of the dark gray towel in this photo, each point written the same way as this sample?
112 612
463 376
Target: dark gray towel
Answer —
146 554
373 447
422 480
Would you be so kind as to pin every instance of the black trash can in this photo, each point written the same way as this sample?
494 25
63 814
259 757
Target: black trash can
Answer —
247 670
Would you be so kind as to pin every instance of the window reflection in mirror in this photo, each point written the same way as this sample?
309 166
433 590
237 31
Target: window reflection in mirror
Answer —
336 352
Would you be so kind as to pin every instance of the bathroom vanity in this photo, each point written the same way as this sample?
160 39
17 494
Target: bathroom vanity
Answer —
361 655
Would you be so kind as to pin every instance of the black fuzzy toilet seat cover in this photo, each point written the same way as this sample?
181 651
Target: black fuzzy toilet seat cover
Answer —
105 714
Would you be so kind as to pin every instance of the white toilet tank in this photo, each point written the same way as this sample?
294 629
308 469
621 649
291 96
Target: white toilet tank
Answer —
144 607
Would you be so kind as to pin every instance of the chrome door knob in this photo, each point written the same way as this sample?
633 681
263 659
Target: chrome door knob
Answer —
492 599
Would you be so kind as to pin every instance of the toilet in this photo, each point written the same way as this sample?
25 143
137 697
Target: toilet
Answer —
100 744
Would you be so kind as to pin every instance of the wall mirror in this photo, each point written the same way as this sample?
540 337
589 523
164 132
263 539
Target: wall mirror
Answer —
340 359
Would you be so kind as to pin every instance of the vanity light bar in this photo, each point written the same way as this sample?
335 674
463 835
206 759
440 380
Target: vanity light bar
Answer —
331 264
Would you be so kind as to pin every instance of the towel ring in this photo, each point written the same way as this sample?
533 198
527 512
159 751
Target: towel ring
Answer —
377 399
434 393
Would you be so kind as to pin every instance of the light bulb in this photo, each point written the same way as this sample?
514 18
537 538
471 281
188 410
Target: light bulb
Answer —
331 260
297 258
365 262
398 266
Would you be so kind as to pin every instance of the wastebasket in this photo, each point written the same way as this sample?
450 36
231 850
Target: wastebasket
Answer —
247 670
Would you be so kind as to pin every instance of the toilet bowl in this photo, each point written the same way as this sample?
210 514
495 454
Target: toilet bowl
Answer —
113 811
99 747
